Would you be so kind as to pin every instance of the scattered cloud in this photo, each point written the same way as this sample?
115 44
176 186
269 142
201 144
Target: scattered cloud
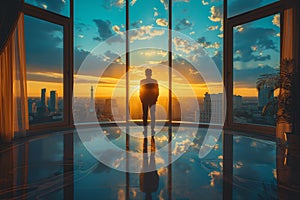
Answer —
104 29
132 2
155 14
154 52
239 28
108 4
251 40
162 22
183 24
117 29
144 32
249 76
205 44
185 1
204 3
53 5
216 13
165 3
212 28
276 20
184 45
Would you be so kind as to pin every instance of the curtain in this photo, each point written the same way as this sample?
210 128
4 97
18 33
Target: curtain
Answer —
287 57
13 90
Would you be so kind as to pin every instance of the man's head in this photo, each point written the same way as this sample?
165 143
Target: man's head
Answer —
148 73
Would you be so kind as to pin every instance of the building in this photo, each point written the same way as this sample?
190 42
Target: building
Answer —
92 100
265 95
43 102
212 108
53 101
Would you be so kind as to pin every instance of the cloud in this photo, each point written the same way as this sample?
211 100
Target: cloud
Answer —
104 29
153 52
132 2
53 5
162 22
216 13
212 28
165 3
185 1
183 24
276 20
117 29
43 42
155 14
81 27
143 33
184 45
108 4
204 3
205 44
248 77
260 38
238 6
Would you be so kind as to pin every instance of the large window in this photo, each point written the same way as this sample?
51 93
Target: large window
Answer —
48 62
44 63
256 59
149 45
99 91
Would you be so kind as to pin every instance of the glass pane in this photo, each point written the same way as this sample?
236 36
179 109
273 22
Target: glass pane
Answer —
236 7
99 41
44 63
197 35
148 41
61 7
256 60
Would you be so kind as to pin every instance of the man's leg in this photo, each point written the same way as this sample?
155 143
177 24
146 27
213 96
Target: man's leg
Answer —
145 114
152 115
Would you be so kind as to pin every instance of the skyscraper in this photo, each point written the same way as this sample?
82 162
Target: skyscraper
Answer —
92 101
43 100
53 102
212 109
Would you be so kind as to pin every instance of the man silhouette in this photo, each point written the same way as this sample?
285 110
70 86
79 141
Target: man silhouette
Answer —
148 94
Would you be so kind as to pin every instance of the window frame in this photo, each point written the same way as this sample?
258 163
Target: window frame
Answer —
229 24
67 25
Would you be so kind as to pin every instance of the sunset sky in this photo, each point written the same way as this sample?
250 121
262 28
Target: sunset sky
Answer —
256 45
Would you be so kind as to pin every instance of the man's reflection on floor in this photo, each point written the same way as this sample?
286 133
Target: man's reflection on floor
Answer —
149 178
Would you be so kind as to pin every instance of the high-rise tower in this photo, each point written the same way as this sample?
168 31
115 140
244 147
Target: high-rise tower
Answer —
43 100
53 102
92 102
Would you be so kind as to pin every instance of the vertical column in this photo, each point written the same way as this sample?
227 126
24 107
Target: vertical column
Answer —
127 100
227 165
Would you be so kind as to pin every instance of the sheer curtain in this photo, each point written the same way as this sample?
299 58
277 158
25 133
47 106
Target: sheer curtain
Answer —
13 89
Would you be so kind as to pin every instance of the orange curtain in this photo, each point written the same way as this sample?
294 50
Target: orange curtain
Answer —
13 90
286 54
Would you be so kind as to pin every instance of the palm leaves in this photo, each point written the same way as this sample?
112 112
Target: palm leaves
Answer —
285 80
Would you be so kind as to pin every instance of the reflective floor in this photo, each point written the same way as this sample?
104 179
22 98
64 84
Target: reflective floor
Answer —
194 165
